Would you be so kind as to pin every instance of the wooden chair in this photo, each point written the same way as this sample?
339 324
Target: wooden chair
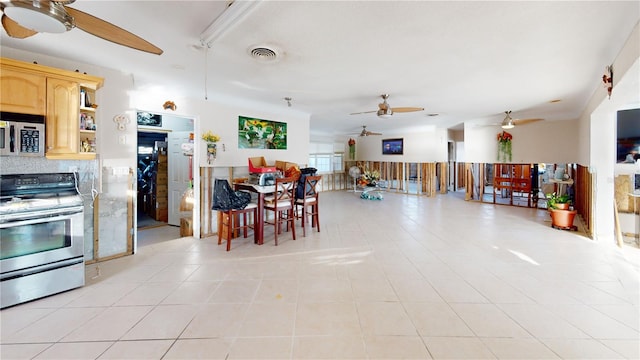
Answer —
308 204
281 203
230 223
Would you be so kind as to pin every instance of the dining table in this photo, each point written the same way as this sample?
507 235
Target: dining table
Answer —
258 226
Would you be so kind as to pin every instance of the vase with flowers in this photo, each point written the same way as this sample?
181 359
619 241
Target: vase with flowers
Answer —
370 177
352 148
212 149
504 146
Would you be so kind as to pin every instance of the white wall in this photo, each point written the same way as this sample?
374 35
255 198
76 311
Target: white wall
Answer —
603 145
427 146
222 119
597 142
538 142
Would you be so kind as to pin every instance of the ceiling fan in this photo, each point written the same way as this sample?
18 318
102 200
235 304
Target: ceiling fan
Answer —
24 18
510 123
366 132
385 111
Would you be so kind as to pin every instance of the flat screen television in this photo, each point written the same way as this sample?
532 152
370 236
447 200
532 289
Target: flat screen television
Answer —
628 136
392 146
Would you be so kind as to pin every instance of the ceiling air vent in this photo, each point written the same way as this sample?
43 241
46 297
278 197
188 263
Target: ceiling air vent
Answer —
262 53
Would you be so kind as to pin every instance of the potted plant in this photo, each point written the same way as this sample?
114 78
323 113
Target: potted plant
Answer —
561 216
555 201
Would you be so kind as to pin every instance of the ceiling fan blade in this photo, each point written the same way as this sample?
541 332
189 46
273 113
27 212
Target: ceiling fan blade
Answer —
110 32
363 112
406 109
525 121
15 30
373 133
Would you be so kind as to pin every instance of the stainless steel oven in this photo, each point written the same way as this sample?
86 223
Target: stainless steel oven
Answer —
41 236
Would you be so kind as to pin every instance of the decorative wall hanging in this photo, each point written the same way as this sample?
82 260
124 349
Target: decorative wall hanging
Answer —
352 149
169 105
607 79
122 120
212 148
261 134
149 119
504 147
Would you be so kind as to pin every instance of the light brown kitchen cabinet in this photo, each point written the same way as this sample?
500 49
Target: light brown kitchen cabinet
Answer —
36 89
62 131
22 92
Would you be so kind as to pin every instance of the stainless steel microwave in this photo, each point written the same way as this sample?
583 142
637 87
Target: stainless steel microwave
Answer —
21 134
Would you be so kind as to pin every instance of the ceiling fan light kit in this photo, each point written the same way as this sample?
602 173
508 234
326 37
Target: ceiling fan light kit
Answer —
366 132
25 18
47 17
385 113
507 123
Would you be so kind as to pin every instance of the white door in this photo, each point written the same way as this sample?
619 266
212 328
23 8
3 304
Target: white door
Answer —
178 173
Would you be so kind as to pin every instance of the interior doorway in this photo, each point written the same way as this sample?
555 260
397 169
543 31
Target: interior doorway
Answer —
163 172
152 209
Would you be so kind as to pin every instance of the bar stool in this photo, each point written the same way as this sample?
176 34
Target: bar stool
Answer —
231 219
224 201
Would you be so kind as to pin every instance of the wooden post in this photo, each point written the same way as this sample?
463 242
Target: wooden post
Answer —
468 182
443 177
619 237
130 213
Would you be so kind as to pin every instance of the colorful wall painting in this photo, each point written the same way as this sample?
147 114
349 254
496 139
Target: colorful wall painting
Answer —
261 134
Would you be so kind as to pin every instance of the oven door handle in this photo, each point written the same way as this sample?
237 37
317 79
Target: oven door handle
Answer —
39 216
12 139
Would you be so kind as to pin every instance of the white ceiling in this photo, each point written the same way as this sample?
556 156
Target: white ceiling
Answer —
463 60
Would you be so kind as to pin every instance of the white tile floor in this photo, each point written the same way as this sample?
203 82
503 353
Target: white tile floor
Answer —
406 277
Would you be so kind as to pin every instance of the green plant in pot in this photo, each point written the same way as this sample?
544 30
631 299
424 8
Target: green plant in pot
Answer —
561 216
555 201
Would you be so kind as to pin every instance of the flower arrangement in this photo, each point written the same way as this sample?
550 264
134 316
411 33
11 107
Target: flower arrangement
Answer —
370 177
210 137
212 149
504 146
352 148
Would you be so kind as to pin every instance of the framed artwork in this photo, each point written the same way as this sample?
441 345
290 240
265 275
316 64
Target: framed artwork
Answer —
392 146
261 134
149 119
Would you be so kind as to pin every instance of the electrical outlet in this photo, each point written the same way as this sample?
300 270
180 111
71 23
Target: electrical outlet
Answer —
73 169
120 170
122 139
